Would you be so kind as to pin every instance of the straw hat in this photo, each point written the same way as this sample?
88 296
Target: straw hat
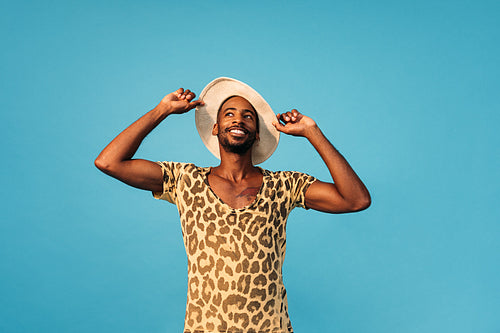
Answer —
214 94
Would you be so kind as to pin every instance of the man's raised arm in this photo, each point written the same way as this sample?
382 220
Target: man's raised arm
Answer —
116 159
347 193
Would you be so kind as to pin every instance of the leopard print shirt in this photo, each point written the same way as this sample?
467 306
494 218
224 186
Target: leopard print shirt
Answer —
235 256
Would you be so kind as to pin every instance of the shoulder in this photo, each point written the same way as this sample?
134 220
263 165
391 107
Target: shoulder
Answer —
290 180
182 168
290 175
179 165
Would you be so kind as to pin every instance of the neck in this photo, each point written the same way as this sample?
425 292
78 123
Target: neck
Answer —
235 167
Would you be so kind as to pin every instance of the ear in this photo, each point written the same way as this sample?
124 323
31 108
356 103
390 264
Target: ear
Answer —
215 130
257 137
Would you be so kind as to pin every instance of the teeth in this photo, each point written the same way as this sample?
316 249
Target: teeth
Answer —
237 131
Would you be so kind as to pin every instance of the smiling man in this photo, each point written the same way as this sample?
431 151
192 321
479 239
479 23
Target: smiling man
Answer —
233 215
247 132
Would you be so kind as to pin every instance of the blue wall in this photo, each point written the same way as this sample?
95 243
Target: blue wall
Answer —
407 91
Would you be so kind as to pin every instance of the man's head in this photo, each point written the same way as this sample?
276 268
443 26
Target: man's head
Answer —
218 96
237 126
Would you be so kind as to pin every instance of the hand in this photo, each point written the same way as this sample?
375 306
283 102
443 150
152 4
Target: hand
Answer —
180 101
294 123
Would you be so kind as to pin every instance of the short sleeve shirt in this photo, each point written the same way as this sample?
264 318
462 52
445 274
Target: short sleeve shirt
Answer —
235 256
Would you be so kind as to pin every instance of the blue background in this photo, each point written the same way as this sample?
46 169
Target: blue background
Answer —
408 91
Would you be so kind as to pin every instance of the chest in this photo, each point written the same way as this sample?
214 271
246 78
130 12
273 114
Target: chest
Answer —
236 195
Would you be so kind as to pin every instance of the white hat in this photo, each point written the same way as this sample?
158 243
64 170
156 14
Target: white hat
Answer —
214 94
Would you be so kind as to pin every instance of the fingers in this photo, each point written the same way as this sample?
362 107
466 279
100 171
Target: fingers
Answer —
184 94
285 121
188 96
289 117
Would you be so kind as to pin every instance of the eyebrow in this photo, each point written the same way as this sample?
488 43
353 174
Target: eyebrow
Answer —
244 110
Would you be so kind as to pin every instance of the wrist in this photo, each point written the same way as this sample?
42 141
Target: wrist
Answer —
312 132
164 109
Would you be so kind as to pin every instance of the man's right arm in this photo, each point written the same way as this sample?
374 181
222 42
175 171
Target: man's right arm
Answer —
116 159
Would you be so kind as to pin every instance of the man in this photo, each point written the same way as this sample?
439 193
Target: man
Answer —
233 216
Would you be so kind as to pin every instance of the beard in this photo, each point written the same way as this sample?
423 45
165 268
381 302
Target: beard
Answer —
239 148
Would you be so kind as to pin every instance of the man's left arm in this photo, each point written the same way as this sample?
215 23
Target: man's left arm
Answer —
347 193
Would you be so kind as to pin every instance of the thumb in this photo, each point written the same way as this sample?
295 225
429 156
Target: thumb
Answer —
194 104
279 127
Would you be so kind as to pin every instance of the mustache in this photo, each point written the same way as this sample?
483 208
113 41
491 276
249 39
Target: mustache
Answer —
236 127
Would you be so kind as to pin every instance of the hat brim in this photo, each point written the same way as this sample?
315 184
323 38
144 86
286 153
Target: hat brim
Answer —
214 94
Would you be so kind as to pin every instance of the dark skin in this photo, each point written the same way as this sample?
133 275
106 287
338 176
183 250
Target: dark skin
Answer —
236 180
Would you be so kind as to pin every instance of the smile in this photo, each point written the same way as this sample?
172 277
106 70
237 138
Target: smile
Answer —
237 131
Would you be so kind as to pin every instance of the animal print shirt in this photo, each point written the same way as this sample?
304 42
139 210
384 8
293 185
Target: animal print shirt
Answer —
235 256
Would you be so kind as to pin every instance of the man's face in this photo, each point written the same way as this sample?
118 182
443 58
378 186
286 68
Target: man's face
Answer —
237 125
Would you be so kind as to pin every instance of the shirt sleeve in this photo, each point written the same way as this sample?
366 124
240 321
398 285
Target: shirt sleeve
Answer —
300 182
171 173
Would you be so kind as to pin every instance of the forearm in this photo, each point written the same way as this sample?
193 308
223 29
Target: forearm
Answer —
125 145
347 182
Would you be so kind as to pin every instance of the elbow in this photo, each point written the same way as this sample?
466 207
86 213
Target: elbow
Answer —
362 204
102 165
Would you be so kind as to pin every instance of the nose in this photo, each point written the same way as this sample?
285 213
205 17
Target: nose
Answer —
238 118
